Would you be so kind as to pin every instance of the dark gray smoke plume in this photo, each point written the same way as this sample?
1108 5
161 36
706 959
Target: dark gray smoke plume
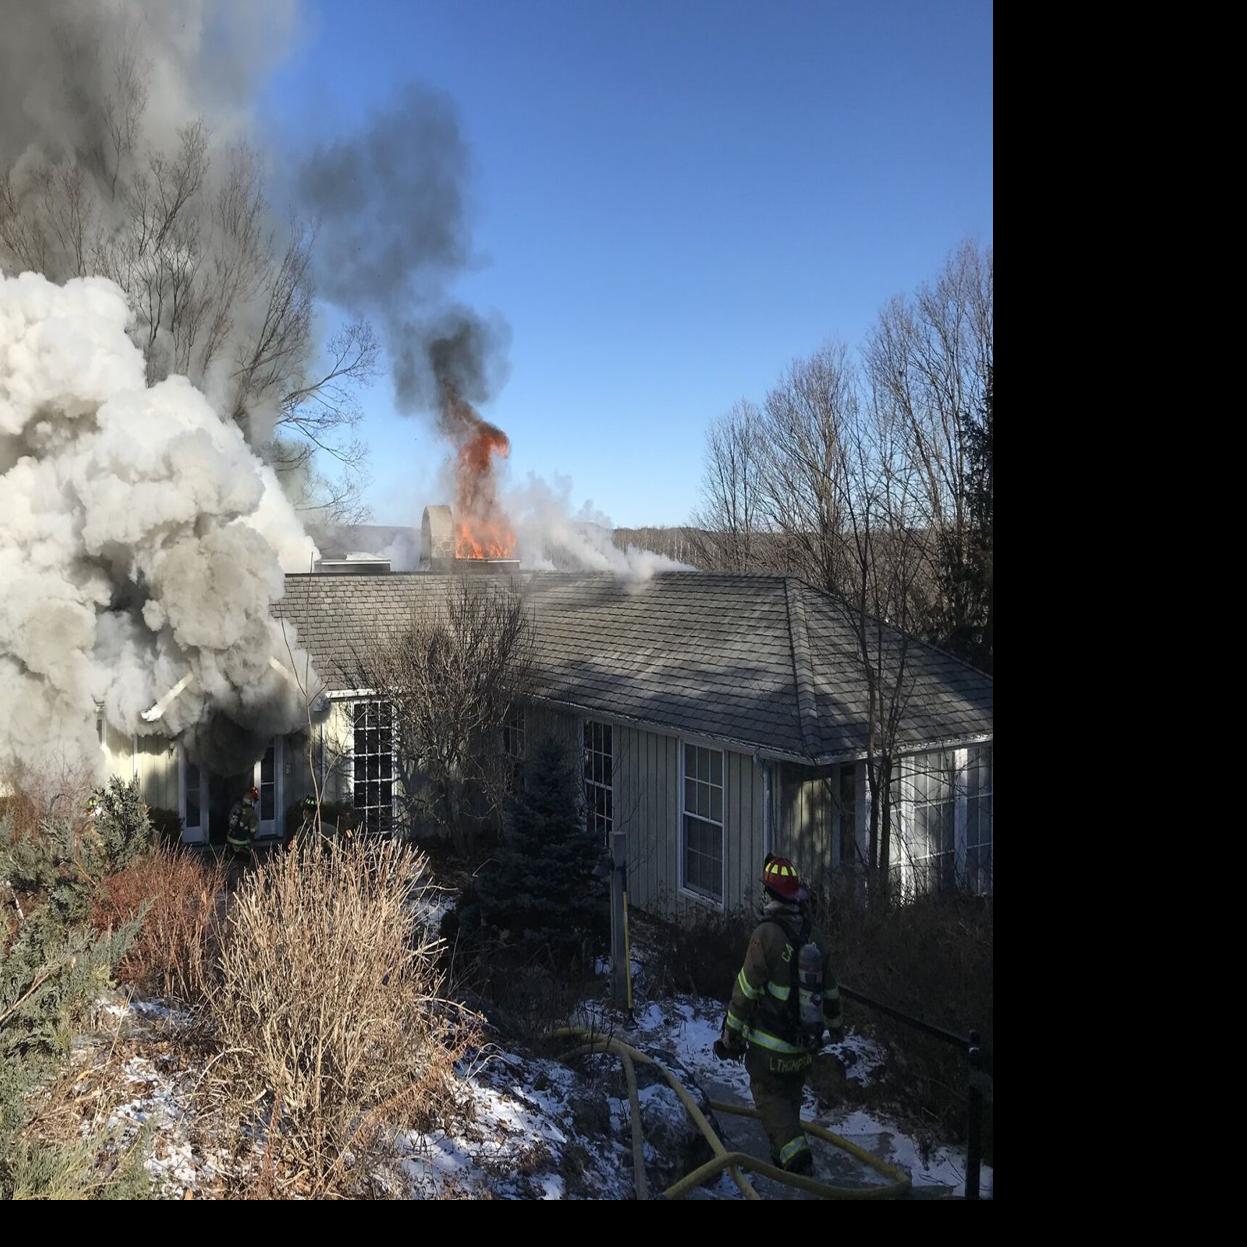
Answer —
392 234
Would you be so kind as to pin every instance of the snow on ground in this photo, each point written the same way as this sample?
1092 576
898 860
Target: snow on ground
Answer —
860 1056
161 1091
537 1128
431 904
523 1142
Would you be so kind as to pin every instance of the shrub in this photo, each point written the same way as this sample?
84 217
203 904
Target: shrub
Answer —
537 897
702 953
334 815
167 824
328 1009
52 967
174 951
121 825
931 958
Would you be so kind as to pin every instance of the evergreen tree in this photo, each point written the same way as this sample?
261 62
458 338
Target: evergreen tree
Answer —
52 967
539 893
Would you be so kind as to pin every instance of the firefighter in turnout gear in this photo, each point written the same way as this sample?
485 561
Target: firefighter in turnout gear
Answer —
243 823
307 825
785 998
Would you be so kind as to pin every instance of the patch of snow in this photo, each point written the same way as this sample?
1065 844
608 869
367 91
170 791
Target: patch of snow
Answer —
432 904
516 1146
860 1056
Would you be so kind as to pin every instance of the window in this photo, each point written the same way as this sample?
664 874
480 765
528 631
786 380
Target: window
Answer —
979 819
373 766
193 791
599 780
848 815
931 844
703 821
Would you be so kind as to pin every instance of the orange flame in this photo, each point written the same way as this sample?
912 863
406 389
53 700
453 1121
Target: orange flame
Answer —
483 531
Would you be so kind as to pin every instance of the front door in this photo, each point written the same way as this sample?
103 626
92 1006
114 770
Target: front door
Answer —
207 797
268 781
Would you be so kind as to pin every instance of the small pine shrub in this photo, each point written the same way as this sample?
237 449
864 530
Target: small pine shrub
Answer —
538 897
122 824
52 968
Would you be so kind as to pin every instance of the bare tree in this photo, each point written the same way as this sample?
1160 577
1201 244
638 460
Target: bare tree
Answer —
835 482
808 417
729 517
885 559
220 290
930 361
451 672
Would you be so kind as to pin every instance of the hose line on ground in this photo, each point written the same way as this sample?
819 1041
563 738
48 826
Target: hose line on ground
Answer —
723 1160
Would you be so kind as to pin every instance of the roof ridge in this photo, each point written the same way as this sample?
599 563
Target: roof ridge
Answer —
802 668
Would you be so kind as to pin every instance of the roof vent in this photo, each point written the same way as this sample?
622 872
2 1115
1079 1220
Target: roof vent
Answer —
353 566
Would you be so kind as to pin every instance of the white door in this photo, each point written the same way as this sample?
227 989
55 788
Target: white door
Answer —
268 779
192 800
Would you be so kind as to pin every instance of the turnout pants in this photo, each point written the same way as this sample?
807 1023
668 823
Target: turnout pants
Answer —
776 1082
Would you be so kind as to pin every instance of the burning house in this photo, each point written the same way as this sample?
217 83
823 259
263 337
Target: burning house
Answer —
720 717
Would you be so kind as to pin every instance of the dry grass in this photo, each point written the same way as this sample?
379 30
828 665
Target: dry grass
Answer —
174 952
59 791
328 1014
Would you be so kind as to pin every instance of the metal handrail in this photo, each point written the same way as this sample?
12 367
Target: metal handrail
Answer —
977 1084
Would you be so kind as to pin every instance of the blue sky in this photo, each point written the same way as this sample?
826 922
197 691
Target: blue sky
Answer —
669 203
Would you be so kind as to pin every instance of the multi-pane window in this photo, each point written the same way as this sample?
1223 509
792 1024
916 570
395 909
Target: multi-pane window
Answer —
931 840
979 819
268 785
373 766
599 780
513 733
847 802
193 790
703 821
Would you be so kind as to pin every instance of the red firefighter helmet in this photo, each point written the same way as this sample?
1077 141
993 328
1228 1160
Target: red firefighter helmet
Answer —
252 794
780 878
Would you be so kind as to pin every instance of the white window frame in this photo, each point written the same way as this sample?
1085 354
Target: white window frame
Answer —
587 751
515 733
908 868
192 835
904 811
373 701
686 889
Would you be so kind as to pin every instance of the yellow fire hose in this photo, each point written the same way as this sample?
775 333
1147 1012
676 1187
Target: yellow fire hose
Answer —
732 1162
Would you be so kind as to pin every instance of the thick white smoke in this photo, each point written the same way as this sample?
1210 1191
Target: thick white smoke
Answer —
551 537
141 541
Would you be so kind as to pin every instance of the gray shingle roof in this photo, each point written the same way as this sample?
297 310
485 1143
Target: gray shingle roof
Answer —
763 661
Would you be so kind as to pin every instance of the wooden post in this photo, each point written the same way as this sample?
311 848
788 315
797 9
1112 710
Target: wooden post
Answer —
619 952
